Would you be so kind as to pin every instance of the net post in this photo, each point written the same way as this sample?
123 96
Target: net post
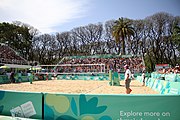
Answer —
110 77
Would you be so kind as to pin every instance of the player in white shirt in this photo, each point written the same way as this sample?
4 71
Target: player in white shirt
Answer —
143 78
127 79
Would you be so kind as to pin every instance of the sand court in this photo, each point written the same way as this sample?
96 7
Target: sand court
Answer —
77 87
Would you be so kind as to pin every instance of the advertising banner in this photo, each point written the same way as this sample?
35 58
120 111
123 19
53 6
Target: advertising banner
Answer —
111 107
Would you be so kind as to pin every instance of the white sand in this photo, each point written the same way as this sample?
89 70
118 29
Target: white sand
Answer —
77 86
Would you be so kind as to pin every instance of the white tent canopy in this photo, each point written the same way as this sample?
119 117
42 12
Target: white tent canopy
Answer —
17 66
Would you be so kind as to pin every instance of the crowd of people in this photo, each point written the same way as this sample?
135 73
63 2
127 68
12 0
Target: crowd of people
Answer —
10 56
169 70
127 65
95 64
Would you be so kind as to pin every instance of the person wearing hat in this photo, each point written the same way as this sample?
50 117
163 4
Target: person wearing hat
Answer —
127 79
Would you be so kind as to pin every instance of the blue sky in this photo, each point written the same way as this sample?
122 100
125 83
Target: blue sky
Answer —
51 16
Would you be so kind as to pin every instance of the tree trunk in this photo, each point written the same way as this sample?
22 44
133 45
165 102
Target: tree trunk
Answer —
123 46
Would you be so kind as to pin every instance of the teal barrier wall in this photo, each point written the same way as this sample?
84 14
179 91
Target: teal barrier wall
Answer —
18 78
89 107
162 86
172 77
111 107
22 79
4 79
83 77
88 77
21 104
169 77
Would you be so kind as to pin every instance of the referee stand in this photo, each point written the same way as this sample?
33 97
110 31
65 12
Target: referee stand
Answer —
114 78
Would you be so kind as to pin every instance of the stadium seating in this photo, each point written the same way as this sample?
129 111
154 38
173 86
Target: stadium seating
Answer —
115 63
10 56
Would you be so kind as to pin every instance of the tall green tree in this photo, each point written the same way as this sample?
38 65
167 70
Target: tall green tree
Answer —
176 35
17 37
122 30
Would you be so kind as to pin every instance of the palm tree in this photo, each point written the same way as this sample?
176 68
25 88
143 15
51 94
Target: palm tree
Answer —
121 31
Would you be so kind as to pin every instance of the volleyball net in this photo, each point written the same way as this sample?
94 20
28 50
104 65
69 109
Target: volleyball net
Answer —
72 69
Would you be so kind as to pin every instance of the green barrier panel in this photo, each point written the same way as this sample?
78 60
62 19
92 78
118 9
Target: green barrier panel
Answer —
110 75
19 77
21 104
174 88
151 82
175 85
4 79
45 77
166 86
59 77
138 78
178 77
49 77
24 79
159 85
155 85
115 80
170 77
83 77
111 107
162 86
147 81
121 76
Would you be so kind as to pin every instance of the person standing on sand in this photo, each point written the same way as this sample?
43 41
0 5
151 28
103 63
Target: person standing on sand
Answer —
143 78
127 79
12 77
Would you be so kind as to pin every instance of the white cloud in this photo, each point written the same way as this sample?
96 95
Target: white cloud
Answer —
42 14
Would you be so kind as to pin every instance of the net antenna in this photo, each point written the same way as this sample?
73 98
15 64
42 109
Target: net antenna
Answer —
59 63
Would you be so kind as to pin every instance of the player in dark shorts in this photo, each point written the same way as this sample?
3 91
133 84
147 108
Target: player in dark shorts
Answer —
127 79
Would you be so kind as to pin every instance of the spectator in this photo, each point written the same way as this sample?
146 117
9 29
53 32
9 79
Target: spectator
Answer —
143 78
12 77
